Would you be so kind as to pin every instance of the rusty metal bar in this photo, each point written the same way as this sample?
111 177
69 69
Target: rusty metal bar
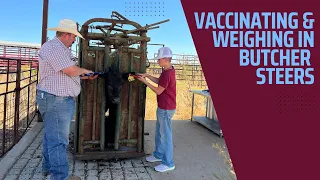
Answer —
117 14
117 124
17 102
109 155
103 99
103 31
94 35
129 141
142 94
95 100
81 103
156 27
44 21
106 20
156 44
108 27
160 22
112 39
147 27
76 137
130 98
132 50
91 142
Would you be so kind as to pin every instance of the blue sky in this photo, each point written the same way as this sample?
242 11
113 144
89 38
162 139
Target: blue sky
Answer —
21 20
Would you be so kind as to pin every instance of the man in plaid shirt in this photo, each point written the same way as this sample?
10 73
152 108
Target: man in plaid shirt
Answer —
58 86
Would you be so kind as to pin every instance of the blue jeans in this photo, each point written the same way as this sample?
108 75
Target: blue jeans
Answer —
163 137
57 113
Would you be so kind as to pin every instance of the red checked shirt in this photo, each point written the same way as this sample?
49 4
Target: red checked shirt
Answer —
167 99
54 56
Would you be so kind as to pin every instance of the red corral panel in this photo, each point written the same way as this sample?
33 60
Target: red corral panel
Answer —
12 51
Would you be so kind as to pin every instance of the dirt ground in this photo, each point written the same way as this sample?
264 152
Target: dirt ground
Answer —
194 156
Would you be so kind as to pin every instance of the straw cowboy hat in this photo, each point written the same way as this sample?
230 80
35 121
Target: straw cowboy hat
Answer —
69 26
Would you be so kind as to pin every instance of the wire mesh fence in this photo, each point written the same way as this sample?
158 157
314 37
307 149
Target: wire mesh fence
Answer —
18 80
188 68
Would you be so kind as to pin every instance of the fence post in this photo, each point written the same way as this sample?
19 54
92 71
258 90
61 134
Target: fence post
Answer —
30 80
17 102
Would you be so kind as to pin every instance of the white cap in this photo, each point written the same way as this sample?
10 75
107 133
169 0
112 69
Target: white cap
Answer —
164 52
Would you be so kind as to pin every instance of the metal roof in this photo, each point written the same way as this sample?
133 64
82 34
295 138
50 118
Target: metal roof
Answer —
20 44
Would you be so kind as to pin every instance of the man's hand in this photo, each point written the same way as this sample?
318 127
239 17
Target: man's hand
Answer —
142 79
86 71
158 90
143 75
76 71
89 77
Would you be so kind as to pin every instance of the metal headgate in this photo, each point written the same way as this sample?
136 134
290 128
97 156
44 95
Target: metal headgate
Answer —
104 130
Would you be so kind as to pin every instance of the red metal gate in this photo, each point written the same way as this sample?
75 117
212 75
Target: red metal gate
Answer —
18 80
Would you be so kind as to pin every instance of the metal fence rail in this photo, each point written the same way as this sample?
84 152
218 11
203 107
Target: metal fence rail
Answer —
18 80
24 52
188 68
